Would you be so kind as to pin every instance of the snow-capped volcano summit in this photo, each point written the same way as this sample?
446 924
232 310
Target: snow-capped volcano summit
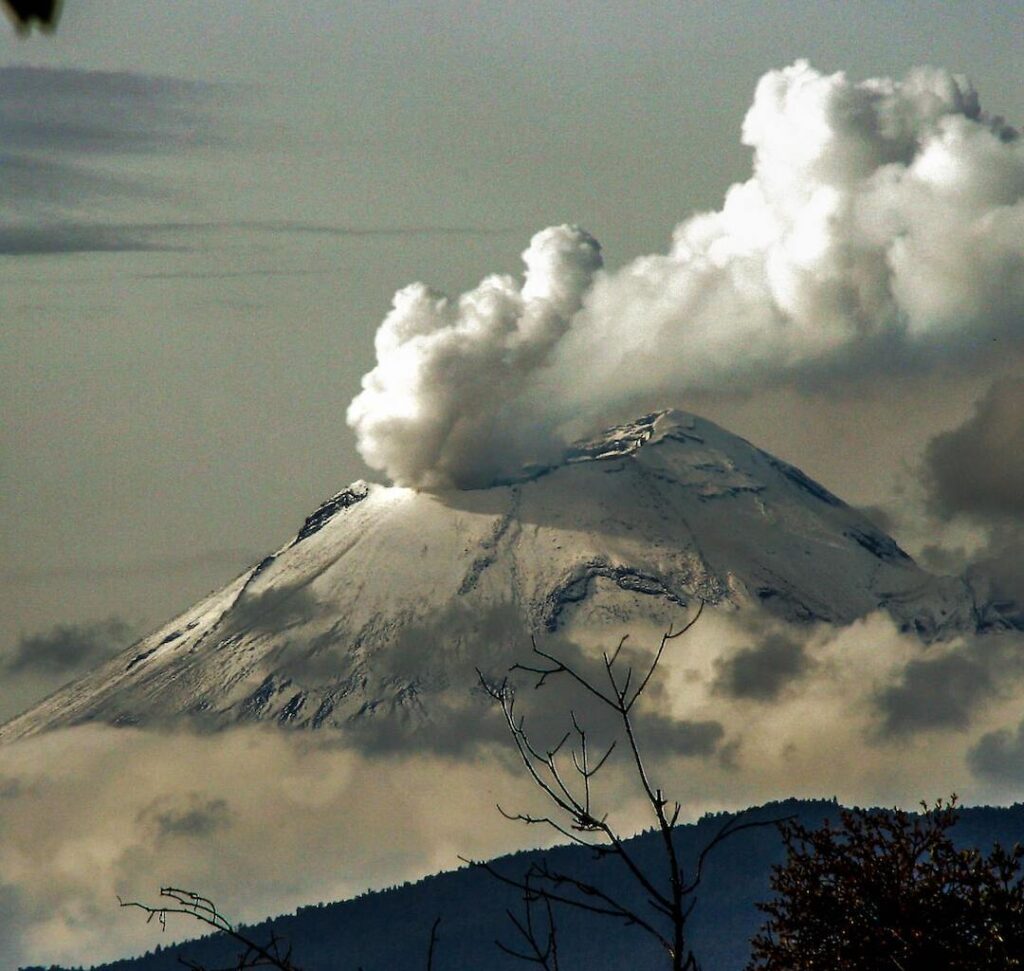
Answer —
386 593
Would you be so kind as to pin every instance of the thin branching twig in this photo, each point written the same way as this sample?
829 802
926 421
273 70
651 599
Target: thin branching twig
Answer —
273 954
568 785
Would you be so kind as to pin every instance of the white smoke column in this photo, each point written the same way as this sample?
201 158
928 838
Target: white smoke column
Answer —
441 407
883 225
883 220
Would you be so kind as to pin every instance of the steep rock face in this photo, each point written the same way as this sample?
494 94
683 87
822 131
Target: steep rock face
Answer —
387 596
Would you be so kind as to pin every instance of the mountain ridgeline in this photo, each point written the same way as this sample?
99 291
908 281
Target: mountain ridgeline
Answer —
387 598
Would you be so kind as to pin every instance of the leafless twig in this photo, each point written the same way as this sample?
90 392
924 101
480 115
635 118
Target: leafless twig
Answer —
567 782
541 941
273 954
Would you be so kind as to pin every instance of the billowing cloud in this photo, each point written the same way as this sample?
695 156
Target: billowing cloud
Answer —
680 736
974 474
274 608
881 517
38 663
996 573
882 228
977 469
187 816
443 399
102 812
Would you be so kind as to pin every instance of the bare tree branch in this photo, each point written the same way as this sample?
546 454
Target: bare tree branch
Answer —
204 910
542 945
433 944
670 894
273 954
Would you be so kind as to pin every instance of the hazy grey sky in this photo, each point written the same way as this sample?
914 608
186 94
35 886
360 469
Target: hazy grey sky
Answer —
207 206
196 254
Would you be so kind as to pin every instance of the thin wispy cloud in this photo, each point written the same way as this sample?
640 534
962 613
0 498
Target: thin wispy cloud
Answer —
320 229
50 238
228 274
64 238
70 112
66 135
46 186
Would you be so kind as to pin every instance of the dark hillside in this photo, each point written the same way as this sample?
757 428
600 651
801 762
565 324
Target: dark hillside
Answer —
388 931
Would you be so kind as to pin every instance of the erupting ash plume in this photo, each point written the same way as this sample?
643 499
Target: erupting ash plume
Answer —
883 225
440 405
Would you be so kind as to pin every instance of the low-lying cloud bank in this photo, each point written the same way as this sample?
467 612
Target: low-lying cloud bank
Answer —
261 820
882 229
264 819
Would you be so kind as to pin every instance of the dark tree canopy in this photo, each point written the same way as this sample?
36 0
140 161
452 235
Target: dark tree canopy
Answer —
886 889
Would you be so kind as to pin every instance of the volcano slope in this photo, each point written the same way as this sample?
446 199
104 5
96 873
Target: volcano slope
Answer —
387 598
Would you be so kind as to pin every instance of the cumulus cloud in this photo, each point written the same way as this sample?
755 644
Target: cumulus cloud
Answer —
974 473
187 815
881 517
996 573
882 227
272 609
680 736
101 812
38 663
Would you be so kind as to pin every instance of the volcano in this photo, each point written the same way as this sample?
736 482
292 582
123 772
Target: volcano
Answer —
388 596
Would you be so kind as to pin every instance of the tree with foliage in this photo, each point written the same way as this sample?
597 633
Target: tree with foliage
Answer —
887 889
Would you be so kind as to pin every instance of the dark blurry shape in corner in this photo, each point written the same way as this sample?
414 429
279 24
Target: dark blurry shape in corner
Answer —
25 14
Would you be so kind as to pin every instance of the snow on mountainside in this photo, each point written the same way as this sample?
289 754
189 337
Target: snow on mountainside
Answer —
387 595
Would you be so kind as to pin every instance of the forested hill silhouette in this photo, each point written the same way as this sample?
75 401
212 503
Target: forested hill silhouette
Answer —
389 930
